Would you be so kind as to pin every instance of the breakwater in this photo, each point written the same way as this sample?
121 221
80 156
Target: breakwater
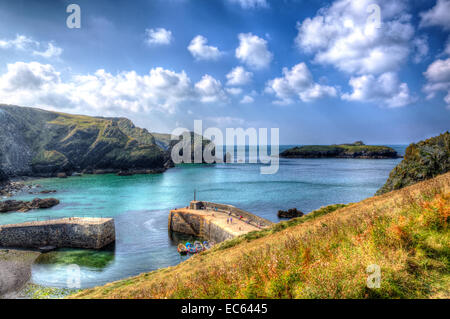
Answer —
74 232
213 221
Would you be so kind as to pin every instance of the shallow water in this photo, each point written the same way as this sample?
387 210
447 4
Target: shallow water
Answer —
140 206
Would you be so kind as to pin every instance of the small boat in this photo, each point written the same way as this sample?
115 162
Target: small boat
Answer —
191 248
198 246
182 250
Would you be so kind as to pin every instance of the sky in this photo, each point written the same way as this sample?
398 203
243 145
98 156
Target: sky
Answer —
321 71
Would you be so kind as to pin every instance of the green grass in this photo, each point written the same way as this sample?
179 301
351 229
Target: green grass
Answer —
279 227
324 254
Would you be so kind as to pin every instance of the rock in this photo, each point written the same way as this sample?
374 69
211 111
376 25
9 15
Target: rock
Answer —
290 213
48 191
61 175
422 161
43 203
24 206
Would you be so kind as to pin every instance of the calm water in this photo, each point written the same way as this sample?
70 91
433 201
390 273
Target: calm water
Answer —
140 206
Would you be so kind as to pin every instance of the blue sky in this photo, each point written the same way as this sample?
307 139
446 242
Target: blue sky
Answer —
323 72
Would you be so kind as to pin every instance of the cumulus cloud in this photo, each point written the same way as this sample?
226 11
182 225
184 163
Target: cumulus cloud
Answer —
385 90
239 76
35 84
20 42
438 76
200 49
437 15
346 36
210 90
297 82
24 43
247 99
158 36
51 52
234 91
253 51
251 4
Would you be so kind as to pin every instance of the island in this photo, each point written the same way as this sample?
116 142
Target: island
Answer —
353 150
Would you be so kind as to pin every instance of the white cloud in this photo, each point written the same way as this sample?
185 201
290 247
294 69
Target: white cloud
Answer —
438 76
158 36
226 121
385 90
297 82
234 91
35 84
51 52
253 51
24 43
20 42
421 49
345 36
200 49
437 15
247 99
238 76
251 4
210 90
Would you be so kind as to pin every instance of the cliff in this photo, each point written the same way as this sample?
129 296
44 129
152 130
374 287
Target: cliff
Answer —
324 254
35 142
422 161
355 150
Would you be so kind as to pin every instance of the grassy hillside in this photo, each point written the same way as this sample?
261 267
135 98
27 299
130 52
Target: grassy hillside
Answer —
355 150
422 161
321 255
38 142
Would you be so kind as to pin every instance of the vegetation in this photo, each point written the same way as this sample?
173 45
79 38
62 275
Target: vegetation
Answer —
422 161
38 142
324 254
355 150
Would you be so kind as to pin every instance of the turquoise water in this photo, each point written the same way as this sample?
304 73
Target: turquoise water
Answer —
140 206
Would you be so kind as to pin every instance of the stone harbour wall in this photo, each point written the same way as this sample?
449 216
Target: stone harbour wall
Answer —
74 232
197 225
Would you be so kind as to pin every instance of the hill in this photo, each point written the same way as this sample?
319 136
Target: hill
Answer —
355 150
324 254
42 143
422 161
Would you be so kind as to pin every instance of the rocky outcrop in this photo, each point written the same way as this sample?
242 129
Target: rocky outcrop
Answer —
355 150
422 161
35 142
24 206
290 213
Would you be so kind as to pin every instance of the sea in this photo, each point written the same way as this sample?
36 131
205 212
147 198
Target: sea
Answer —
140 205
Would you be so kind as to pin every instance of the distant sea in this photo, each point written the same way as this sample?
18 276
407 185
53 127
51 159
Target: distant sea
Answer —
140 205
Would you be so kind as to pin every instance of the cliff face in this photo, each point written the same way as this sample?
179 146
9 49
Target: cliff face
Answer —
422 161
355 150
42 143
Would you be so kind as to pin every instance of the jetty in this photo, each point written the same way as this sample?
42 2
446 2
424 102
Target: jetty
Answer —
73 232
214 221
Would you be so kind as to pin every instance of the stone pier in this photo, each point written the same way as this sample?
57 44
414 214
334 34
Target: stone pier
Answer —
209 220
74 232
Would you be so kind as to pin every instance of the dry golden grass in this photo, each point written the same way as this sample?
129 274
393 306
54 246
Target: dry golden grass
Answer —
405 232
